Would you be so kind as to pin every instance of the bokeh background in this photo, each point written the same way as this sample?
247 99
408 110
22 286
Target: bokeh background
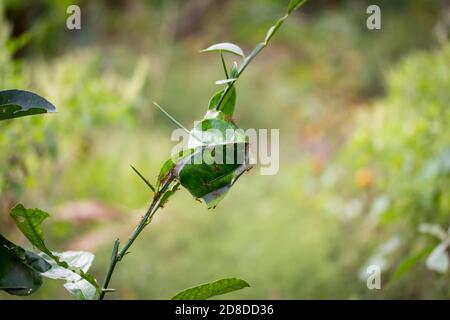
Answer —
364 127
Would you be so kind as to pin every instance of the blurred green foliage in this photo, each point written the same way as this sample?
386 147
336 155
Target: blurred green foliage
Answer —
365 142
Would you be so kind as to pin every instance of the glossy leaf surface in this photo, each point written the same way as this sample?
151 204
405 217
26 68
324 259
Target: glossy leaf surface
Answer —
20 103
212 289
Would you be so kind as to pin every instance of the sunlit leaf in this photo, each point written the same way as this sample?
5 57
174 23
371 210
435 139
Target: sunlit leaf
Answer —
19 103
213 131
29 222
82 289
76 260
438 258
78 263
211 289
227 47
224 81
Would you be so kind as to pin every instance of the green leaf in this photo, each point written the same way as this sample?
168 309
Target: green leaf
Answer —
165 173
82 289
167 169
227 47
74 272
20 269
29 222
217 162
36 262
17 43
228 103
211 289
294 5
17 277
213 131
75 263
211 181
19 103
410 262
196 168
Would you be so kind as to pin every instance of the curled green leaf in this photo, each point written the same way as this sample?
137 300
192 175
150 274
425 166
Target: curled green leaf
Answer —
220 156
209 180
227 47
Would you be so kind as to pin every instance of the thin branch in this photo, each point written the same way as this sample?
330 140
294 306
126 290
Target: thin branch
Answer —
110 270
117 255
170 117
224 65
259 47
143 178
192 134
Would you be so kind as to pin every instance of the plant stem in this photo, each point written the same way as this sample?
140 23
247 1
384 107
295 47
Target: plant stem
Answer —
251 56
224 64
156 202
111 267
117 255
